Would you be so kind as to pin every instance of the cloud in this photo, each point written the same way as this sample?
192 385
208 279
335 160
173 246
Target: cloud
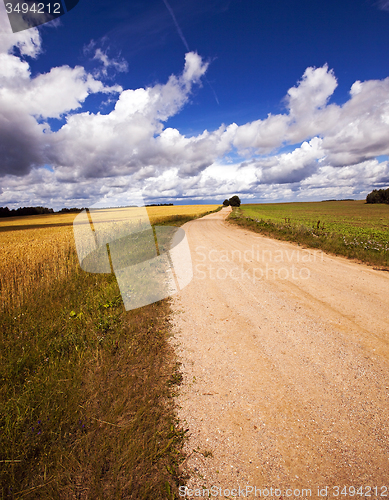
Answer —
26 101
312 92
48 95
330 147
362 126
290 167
28 42
110 65
308 115
119 65
132 135
262 135
351 134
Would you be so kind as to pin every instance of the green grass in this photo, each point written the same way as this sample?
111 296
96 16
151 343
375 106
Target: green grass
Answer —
350 228
86 394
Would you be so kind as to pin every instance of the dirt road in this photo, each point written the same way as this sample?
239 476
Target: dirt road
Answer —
285 355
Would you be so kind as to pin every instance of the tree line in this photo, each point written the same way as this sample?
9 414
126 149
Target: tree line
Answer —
378 196
160 205
6 212
15 212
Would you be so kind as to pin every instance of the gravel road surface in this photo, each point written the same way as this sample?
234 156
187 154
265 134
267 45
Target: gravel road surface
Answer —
285 356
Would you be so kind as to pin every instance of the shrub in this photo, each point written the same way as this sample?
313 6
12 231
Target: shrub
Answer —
226 203
234 201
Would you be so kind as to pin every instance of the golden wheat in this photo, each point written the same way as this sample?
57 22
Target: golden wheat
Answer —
32 260
38 220
155 214
159 214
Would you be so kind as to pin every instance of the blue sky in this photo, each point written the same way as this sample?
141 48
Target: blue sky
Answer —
282 100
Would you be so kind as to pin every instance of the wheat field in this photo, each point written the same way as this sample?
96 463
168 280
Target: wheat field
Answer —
38 251
85 386
32 260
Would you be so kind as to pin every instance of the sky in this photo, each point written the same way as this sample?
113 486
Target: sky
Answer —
193 101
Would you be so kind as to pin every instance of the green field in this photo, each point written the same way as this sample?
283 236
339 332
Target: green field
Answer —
351 228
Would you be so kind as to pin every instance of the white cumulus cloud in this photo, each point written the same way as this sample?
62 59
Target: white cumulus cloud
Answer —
332 148
24 101
132 135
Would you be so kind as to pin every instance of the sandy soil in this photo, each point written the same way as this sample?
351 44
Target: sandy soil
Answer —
285 356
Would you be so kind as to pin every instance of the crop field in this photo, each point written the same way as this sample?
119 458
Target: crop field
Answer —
352 219
85 386
156 215
39 250
351 228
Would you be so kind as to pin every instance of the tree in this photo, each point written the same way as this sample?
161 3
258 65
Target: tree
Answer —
234 201
226 203
378 196
5 212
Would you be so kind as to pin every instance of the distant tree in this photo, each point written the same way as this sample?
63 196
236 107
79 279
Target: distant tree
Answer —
5 212
234 201
70 210
378 196
226 203
160 205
